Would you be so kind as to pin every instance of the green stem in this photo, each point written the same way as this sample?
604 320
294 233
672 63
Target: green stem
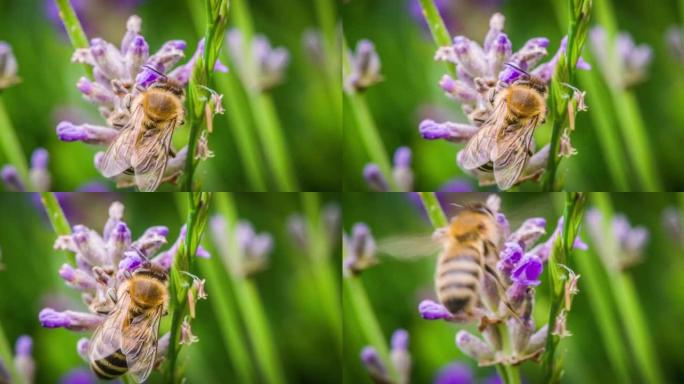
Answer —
7 360
74 30
625 297
370 327
202 74
327 15
624 102
370 136
237 113
559 95
433 209
248 300
560 255
11 146
184 261
512 375
321 268
263 110
59 222
437 28
271 135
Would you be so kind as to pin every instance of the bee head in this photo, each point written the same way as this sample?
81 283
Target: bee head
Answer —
165 83
528 80
152 270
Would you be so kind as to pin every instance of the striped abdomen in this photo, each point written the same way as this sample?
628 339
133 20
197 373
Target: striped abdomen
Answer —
458 279
111 366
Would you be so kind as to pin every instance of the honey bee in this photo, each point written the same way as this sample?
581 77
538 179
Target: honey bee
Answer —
144 143
503 143
127 340
470 245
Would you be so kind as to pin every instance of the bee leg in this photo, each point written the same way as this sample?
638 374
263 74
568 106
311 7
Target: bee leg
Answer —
502 291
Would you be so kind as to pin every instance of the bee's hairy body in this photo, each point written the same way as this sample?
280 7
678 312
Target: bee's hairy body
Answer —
147 291
161 103
524 102
471 236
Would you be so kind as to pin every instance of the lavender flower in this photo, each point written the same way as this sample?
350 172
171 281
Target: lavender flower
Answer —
120 74
91 13
297 227
8 67
674 37
402 174
453 12
364 68
39 175
23 360
253 248
629 240
360 250
519 270
400 359
672 222
312 40
630 64
78 376
103 262
266 68
455 373
481 74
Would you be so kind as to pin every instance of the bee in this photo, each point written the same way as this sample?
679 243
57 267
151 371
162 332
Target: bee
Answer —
503 143
144 143
127 340
470 245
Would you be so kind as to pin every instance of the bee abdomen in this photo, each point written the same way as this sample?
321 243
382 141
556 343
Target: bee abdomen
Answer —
111 366
458 279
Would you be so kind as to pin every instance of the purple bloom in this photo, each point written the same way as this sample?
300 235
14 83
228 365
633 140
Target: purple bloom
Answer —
11 179
455 373
430 310
360 250
631 61
120 74
402 174
103 262
23 360
267 64
253 248
8 67
78 376
364 68
374 178
629 240
455 132
399 356
39 175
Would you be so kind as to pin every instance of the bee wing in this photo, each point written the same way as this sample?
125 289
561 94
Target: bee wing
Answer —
409 247
140 344
107 338
150 156
117 157
477 152
510 153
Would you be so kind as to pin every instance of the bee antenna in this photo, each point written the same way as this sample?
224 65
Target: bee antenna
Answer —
147 66
518 69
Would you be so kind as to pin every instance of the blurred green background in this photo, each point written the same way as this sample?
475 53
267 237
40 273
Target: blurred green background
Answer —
410 90
48 89
306 345
395 288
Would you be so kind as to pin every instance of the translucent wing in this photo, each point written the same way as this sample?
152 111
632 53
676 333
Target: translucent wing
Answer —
510 152
477 152
140 344
150 156
117 157
107 338
408 247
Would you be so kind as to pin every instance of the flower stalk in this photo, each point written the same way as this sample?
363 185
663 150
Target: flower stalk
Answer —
437 28
238 115
263 109
7 360
10 144
433 209
248 300
625 296
202 74
59 222
560 95
321 267
624 101
224 309
575 203
74 29
183 262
